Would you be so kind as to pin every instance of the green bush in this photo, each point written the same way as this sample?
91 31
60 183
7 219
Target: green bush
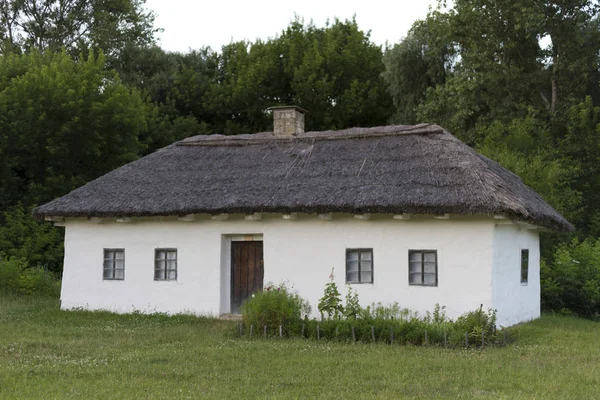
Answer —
330 305
37 242
16 277
474 323
275 306
571 283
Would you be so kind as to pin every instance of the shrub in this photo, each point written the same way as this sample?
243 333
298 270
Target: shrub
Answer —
572 281
352 308
275 306
16 277
474 323
331 302
23 237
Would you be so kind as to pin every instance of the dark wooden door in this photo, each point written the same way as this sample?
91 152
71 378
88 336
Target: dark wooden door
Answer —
247 272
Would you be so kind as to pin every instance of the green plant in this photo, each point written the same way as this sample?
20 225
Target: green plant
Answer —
387 312
475 323
572 280
352 308
17 277
331 302
275 306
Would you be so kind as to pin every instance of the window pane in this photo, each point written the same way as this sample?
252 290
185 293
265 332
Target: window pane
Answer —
159 274
172 275
366 255
172 255
160 255
119 274
415 267
172 264
429 279
366 266
120 264
415 256
524 265
415 278
366 277
430 257
159 264
352 255
120 255
352 277
108 264
352 266
429 268
108 274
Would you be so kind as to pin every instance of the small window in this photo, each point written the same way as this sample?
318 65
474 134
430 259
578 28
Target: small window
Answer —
524 265
165 265
359 266
422 267
114 265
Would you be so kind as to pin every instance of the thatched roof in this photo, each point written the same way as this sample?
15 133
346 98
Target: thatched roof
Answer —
418 169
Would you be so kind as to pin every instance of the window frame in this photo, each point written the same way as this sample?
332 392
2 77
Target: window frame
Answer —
423 252
525 268
360 251
165 270
114 252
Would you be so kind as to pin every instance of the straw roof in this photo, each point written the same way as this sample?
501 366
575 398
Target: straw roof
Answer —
419 169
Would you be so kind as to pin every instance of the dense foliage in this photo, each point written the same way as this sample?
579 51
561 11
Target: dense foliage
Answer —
84 88
285 313
17 278
275 306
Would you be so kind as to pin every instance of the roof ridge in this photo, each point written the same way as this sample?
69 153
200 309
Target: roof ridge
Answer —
344 134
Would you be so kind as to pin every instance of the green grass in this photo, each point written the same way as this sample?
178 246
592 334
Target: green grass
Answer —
49 354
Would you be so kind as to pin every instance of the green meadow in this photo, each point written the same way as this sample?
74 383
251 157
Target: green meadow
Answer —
46 353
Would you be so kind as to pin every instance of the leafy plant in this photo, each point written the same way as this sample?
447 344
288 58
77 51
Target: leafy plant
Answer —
17 277
352 308
331 302
274 306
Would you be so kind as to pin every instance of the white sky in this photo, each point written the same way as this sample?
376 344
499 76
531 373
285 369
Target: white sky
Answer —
191 24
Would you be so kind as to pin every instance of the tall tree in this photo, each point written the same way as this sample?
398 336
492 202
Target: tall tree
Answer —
62 123
75 25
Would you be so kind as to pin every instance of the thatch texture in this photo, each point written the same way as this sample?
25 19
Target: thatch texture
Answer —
394 169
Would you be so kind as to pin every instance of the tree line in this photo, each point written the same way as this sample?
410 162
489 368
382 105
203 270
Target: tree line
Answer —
85 88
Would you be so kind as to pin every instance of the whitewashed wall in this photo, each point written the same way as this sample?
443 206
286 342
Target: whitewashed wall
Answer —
301 251
515 301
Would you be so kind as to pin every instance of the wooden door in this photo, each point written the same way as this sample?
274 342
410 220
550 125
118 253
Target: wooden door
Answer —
247 271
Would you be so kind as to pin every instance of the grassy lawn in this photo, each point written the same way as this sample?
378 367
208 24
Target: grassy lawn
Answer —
49 354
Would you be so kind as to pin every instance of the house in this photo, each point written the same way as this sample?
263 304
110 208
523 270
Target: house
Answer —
406 214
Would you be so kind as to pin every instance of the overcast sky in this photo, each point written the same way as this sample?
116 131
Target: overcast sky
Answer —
191 24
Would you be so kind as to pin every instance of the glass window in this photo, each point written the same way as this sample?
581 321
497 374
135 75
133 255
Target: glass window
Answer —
422 267
114 264
165 265
359 265
524 265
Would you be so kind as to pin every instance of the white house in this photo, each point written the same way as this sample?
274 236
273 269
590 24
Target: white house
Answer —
406 214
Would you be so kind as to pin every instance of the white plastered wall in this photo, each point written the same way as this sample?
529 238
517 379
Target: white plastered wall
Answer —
515 301
301 252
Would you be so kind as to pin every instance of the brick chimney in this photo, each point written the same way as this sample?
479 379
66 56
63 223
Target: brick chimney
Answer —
288 120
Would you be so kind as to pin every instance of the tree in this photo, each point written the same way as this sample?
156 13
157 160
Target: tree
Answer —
62 123
75 25
422 60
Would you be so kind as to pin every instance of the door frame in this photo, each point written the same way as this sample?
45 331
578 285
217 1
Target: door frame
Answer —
226 239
